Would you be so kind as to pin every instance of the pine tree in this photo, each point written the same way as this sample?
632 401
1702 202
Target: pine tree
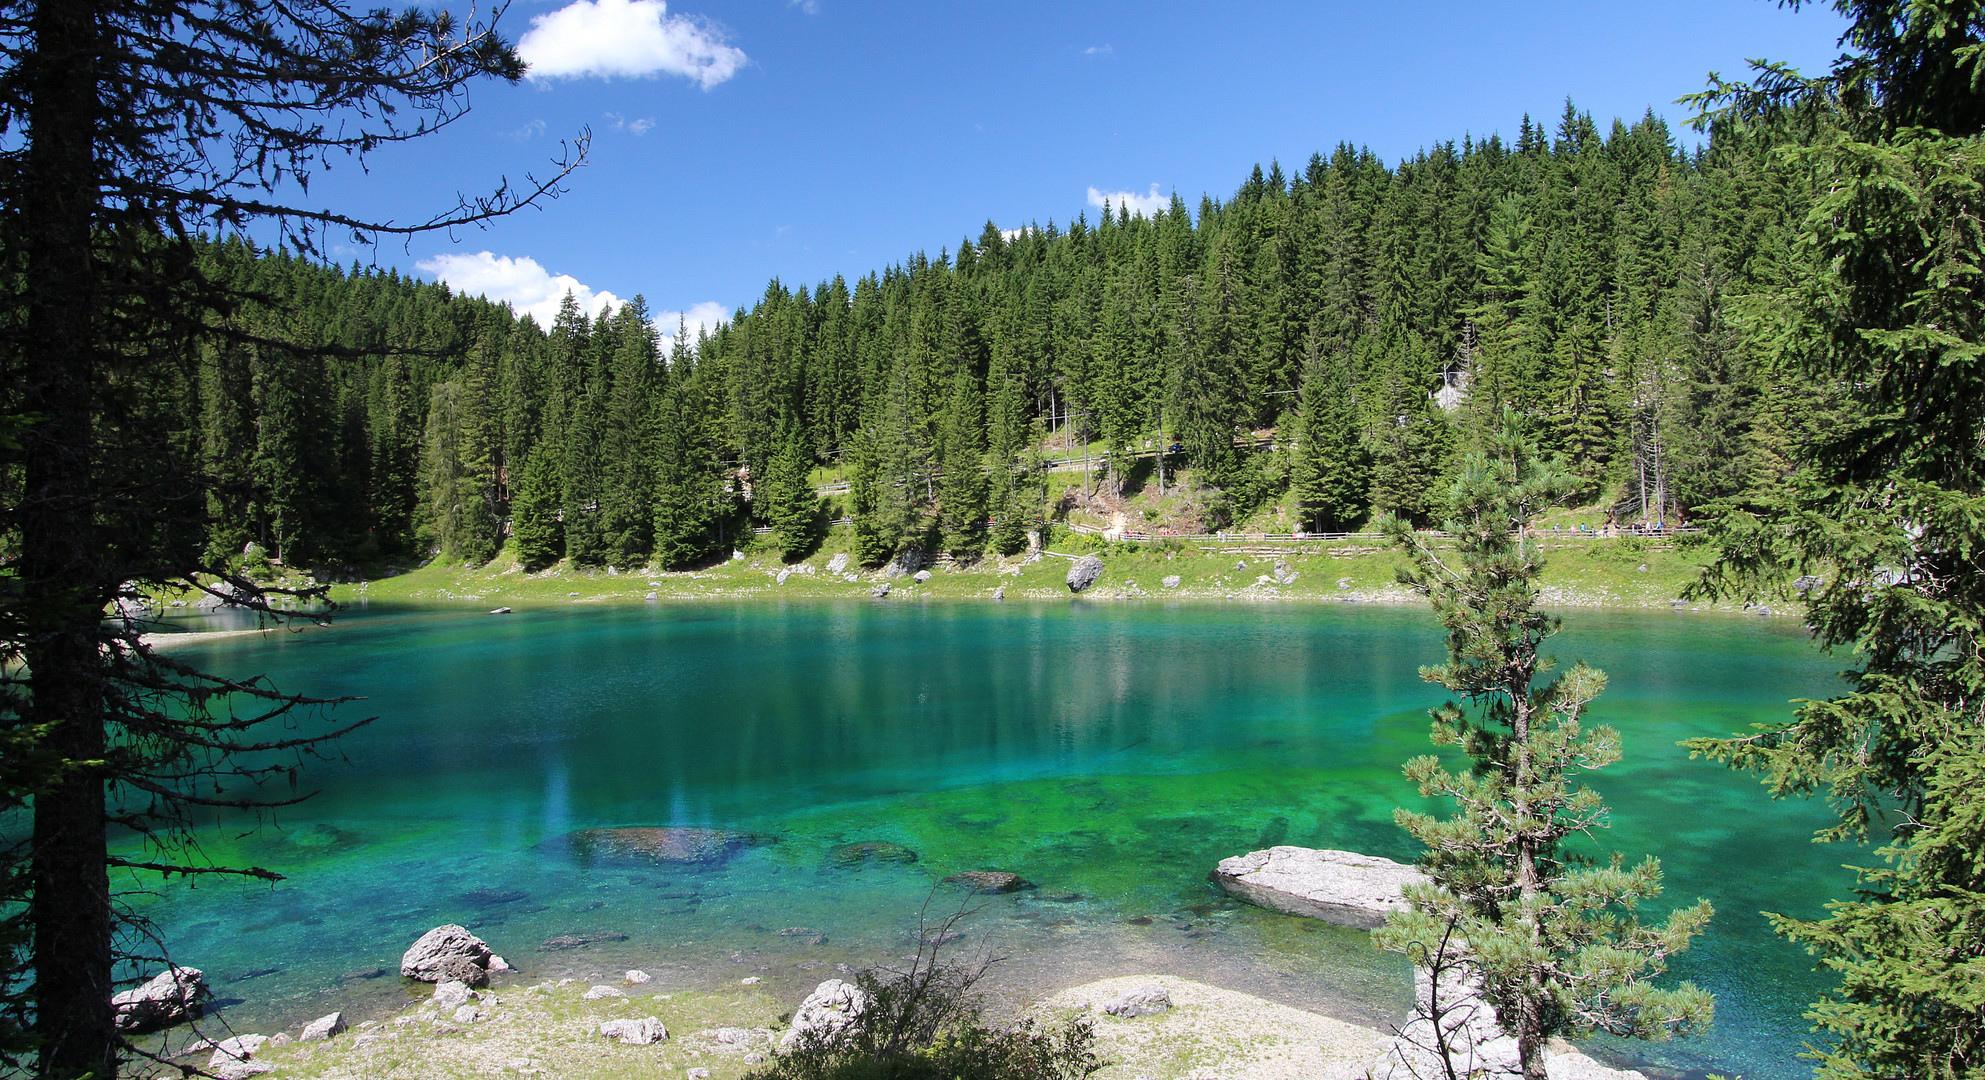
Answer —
962 494
1555 946
627 496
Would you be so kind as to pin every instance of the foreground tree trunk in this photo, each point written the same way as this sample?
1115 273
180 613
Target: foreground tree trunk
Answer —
61 562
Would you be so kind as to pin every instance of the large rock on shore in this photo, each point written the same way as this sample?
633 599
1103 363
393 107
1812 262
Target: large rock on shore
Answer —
447 952
171 997
832 1006
1084 573
661 844
1341 887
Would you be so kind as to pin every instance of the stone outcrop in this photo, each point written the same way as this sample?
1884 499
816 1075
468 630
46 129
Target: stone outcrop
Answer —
831 1007
234 1059
839 563
1139 1001
450 994
447 952
1084 573
171 997
1341 887
646 1031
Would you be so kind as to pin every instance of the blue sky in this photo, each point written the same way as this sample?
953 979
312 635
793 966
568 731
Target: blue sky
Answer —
739 140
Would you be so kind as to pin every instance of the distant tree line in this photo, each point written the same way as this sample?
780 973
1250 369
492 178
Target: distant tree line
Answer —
1376 318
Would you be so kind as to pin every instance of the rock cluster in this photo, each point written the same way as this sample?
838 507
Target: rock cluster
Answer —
660 844
990 881
1341 887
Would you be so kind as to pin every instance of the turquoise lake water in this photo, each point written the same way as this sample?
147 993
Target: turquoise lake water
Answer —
1110 753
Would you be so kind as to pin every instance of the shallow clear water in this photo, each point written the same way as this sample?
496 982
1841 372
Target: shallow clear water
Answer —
1110 753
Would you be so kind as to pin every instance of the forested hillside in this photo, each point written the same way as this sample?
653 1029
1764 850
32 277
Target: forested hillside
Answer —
1337 334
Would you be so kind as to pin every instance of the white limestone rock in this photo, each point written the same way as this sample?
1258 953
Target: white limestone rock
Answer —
646 1031
171 997
1341 887
323 1027
831 1007
1140 1001
447 952
450 994
599 992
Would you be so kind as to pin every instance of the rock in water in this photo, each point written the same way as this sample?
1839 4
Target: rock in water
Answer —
564 942
499 611
171 997
323 1027
1140 1001
445 952
1341 887
838 563
868 851
661 844
990 881
1084 573
832 1006
999 593
646 1031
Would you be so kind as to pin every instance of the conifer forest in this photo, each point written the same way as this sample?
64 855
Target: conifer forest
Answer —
1336 336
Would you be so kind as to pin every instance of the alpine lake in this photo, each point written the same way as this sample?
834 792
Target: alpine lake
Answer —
1109 753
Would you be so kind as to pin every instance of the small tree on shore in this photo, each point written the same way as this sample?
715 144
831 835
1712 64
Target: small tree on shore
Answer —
1550 935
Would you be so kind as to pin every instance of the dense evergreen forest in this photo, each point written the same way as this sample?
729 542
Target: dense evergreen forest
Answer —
1337 336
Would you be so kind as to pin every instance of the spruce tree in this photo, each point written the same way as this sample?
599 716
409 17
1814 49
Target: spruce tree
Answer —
1887 514
1328 472
688 487
534 510
962 494
787 500
1551 938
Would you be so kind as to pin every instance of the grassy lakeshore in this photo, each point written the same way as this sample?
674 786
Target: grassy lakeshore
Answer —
1621 573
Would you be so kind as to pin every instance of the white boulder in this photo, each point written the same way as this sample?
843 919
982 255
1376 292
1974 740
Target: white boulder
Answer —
646 1031
450 994
1139 1001
1341 887
171 997
324 1027
832 1006
447 952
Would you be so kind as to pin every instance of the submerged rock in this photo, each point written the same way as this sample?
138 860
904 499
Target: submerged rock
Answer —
990 881
662 845
564 942
171 997
1342 887
1084 573
825 1013
447 952
867 851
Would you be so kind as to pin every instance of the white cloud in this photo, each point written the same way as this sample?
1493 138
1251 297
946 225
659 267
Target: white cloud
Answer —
528 288
1100 50
697 320
811 7
529 131
641 126
626 38
1148 205
1010 235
